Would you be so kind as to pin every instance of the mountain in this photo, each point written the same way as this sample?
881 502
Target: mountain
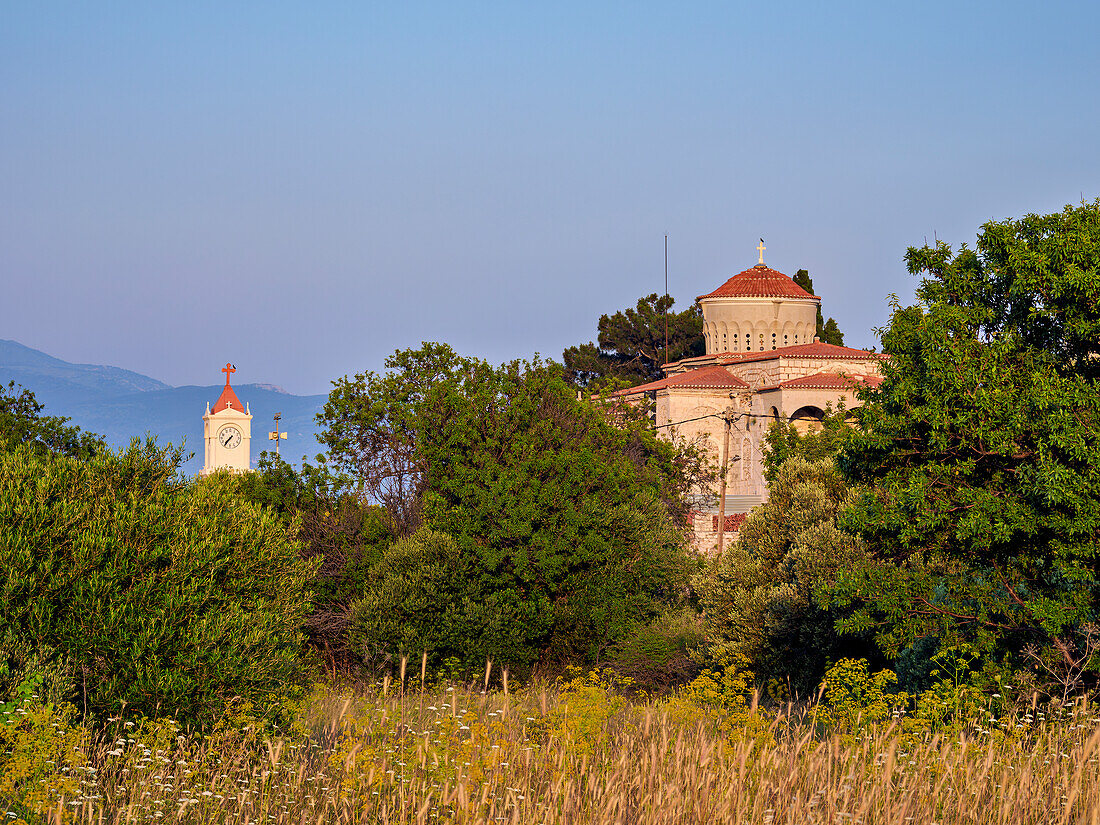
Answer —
120 404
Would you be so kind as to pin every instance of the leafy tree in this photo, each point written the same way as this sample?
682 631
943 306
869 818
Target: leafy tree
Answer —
981 450
630 346
137 589
564 513
22 422
338 530
828 332
759 599
371 425
783 440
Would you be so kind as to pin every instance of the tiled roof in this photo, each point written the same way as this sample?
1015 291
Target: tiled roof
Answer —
759 282
225 399
704 378
829 381
814 350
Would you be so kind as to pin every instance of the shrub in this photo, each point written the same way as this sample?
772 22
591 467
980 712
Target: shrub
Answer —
153 594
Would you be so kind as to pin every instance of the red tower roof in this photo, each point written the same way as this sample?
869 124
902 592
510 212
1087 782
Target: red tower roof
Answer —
759 282
228 399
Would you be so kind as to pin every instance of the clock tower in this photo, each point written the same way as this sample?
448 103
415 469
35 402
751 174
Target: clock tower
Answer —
227 432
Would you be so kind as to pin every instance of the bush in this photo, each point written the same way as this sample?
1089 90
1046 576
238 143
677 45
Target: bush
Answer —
150 593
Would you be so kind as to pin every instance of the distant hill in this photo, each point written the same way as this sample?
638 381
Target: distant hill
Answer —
119 404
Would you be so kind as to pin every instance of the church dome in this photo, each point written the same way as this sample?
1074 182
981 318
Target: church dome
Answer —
759 281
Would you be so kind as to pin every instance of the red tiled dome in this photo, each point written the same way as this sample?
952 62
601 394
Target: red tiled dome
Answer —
759 282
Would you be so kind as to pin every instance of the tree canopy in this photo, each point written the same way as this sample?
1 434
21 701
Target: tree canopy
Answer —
22 422
550 526
630 346
980 452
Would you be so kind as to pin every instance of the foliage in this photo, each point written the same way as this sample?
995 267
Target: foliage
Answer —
856 698
981 450
22 422
563 512
784 441
759 599
42 758
630 345
729 695
414 599
585 753
570 516
828 332
371 423
335 528
657 656
152 593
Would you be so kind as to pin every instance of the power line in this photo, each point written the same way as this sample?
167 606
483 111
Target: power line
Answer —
718 415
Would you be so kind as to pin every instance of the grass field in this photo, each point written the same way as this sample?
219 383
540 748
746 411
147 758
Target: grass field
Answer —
578 754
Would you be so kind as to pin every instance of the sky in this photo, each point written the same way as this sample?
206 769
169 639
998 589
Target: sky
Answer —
303 188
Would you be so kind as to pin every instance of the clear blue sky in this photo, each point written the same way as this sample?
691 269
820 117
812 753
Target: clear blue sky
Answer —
302 188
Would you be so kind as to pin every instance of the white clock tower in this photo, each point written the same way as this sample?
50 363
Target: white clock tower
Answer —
227 432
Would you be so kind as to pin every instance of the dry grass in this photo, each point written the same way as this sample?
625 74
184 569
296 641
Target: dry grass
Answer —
458 755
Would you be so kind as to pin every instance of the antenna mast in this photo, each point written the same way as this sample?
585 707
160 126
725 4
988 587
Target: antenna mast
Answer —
666 295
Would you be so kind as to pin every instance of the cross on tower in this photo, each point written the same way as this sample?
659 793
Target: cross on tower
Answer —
759 248
227 369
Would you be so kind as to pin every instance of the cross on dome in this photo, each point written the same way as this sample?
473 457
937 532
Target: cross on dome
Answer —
228 369
759 248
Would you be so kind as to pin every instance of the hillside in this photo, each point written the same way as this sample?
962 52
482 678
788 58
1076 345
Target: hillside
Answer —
119 404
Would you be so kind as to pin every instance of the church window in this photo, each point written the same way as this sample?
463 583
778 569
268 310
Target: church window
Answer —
748 343
761 342
784 339
723 342
773 340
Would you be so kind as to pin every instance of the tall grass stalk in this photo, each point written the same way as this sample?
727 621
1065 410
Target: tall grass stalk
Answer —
455 756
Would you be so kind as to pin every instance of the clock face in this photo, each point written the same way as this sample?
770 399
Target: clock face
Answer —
229 437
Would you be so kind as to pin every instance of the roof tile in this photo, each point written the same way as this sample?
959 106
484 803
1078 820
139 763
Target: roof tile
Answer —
759 282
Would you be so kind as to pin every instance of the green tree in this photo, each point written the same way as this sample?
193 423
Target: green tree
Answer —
22 422
784 441
342 532
565 514
141 590
760 599
371 424
980 452
630 345
828 332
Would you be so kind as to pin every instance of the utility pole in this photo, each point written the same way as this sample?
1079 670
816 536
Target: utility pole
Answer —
727 418
275 436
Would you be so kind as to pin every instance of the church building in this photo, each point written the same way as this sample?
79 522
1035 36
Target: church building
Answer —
763 363
227 432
